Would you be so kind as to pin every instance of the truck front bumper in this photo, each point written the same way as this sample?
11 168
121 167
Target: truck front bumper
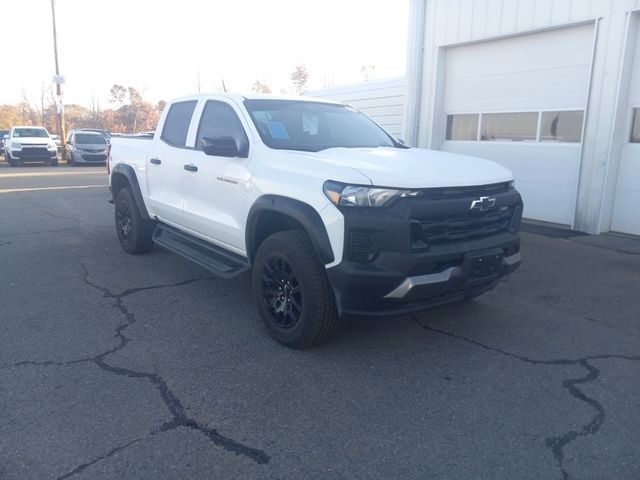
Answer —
383 289
34 155
423 253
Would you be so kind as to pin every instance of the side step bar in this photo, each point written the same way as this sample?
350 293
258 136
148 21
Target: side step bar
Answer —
218 261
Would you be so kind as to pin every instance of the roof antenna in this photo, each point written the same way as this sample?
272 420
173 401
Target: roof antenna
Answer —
224 87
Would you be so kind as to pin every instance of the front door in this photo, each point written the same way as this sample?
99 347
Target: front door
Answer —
215 187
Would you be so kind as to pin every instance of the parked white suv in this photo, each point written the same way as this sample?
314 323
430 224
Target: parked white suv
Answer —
30 144
332 215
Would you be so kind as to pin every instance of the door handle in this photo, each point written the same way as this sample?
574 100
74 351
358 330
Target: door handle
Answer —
156 161
190 167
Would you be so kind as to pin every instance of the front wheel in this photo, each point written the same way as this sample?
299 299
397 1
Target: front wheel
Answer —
134 232
292 291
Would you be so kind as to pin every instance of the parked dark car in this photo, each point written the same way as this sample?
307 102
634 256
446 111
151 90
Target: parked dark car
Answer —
3 134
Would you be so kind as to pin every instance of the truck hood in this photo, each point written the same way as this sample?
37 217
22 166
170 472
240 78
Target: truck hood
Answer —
416 167
32 140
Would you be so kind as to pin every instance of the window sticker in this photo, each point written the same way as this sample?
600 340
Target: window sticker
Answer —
310 124
278 130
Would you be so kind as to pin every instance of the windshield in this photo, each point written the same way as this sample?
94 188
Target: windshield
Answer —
312 126
30 132
90 139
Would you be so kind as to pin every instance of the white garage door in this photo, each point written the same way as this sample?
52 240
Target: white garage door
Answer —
625 217
520 101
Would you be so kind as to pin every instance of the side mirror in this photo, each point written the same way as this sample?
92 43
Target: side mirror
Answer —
221 147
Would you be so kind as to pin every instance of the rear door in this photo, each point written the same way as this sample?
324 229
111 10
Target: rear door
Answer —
165 160
215 188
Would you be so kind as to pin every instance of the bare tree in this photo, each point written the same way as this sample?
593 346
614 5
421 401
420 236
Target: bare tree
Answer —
261 87
299 77
367 72
118 95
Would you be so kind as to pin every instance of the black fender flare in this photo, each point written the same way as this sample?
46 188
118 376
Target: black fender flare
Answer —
303 213
129 173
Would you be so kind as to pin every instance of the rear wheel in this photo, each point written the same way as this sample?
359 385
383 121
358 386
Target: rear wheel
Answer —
134 232
292 291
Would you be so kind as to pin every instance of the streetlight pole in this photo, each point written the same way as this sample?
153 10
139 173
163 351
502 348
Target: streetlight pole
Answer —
58 80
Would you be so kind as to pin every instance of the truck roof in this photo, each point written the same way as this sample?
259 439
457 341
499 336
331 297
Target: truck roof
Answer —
240 97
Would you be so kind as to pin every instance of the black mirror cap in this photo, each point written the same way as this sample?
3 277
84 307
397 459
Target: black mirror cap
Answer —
223 147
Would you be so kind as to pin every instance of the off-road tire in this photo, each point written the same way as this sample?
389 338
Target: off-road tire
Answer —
317 317
134 232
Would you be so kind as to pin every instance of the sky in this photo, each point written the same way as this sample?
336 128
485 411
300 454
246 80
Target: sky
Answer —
160 46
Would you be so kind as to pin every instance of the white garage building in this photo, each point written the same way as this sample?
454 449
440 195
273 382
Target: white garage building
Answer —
548 88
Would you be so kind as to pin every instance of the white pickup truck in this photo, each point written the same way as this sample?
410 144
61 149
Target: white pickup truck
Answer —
333 216
30 144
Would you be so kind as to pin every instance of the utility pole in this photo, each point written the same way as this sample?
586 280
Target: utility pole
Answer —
58 80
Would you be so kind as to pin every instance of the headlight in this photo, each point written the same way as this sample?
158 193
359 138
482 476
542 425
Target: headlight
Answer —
342 195
52 146
16 146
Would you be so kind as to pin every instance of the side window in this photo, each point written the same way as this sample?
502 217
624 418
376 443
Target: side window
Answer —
462 126
219 119
561 126
176 124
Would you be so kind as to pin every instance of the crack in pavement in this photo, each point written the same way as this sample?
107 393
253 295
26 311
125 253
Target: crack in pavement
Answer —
556 444
112 452
171 401
45 363
131 291
43 208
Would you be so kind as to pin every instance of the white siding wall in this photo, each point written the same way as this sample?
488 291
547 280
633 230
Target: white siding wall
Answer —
453 23
382 100
626 217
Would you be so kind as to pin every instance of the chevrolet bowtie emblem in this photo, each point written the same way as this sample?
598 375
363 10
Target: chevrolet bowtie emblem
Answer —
482 204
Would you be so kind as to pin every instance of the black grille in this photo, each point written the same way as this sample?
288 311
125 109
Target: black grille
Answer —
466 226
465 192
35 152
92 157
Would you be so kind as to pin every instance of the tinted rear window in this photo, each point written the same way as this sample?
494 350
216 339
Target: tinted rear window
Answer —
176 125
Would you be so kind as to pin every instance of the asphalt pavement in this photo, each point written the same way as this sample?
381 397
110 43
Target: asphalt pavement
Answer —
115 366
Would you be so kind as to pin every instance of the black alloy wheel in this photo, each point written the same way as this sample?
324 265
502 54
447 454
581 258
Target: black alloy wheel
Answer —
281 292
134 232
292 291
124 220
